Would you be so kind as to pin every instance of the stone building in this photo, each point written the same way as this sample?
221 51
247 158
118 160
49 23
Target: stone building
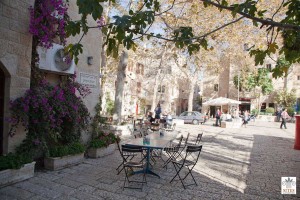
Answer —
220 83
15 59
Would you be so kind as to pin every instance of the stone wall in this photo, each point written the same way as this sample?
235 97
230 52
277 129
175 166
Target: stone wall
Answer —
92 43
15 57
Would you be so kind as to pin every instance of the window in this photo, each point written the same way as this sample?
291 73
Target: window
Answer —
184 114
269 67
161 89
263 107
216 87
138 87
139 69
298 78
271 105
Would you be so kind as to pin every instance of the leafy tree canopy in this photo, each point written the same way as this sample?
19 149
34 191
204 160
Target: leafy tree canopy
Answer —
127 29
259 79
285 98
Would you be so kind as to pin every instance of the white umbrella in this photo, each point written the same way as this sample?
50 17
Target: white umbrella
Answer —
221 101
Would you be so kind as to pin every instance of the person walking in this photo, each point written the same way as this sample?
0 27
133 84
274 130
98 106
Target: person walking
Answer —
284 117
157 113
278 114
246 117
218 116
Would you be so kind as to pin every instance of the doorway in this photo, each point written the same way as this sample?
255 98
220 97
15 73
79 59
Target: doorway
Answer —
2 88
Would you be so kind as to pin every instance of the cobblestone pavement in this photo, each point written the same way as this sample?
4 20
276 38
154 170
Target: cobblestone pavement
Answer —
242 163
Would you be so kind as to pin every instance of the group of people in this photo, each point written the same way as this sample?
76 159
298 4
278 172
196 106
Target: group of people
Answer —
157 117
280 114
222 117
283 115
228 117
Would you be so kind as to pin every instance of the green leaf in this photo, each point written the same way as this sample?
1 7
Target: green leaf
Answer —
224 3
261 13
273 47
259 56
73 28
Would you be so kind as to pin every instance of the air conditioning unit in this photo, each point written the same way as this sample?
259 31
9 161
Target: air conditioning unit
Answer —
54 60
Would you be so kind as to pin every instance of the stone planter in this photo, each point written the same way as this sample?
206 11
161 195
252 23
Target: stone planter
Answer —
62 162
100 152
10 176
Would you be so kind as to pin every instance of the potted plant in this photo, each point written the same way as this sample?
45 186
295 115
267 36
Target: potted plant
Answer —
15 168
102 145
64 155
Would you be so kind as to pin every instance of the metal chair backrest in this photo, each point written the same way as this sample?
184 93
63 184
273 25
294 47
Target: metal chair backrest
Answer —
193 152
186 139
199 137
178 145
131 149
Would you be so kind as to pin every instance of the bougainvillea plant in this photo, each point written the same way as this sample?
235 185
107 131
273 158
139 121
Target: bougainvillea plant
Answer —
48 21
51 114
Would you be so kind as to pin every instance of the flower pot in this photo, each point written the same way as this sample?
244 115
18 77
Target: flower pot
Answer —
62 162
10 176
100 152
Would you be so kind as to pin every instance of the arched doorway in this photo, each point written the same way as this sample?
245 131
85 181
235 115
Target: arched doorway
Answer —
2 89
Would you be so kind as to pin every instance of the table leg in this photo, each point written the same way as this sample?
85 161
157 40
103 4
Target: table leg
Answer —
147 170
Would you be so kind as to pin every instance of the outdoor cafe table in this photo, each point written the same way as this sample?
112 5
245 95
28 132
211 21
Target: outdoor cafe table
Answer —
166 135
157 143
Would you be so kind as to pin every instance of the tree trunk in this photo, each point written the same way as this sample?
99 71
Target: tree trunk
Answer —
285 83
120 87
157 81
258 104
191 96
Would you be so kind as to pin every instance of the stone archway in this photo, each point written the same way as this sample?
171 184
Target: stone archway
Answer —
4 99
2 88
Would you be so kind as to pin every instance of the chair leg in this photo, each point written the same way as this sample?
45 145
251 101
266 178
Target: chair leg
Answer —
190 172
126 177
178 174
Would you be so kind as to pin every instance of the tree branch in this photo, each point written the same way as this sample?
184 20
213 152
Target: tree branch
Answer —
166 10
262 21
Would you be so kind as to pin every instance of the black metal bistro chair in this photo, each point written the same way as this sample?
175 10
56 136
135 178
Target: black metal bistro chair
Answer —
172 152
127 157
183 146
199 138
190 160
130 165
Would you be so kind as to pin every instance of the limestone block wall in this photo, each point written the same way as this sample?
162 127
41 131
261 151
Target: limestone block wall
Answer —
15 57
92 46
224 77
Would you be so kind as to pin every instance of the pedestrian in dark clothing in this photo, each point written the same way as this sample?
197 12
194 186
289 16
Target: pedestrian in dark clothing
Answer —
157 113
278 114
245 118
218 116
284 117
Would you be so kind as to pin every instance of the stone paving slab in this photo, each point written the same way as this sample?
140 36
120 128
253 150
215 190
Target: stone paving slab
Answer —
240 163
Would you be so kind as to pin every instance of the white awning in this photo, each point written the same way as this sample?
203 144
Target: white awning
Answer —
221 101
